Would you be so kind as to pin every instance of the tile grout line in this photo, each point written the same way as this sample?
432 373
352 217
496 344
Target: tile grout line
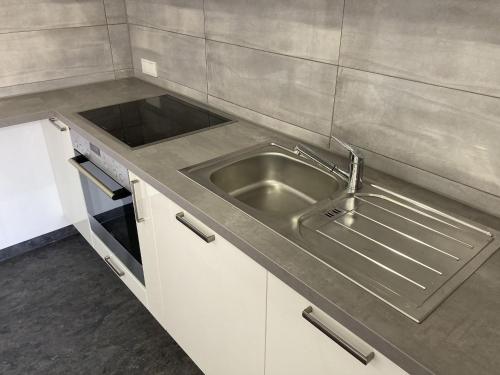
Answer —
336 78
363 148
324 62
271 117
109 39
129 37
165 30
421 82
425 171
54 28
53 80
233 44
205 40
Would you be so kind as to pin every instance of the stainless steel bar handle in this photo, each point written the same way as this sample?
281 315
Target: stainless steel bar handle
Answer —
55 122
207 238
114 268
356 353
91 177
136 207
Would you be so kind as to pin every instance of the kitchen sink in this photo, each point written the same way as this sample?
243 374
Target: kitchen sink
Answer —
405 252
274 182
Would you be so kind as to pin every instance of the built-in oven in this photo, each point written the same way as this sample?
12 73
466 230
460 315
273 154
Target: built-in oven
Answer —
110 207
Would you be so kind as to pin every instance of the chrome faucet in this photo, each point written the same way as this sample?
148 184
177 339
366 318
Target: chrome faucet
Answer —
353 178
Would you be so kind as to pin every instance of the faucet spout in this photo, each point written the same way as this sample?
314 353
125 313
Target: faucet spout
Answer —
353 178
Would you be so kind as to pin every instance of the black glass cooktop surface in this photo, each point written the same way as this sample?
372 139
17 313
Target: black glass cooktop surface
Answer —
151 120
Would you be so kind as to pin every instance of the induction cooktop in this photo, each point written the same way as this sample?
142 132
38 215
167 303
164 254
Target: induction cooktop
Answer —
151 120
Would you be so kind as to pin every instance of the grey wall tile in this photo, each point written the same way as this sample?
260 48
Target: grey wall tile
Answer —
289 89
175 87
447 132
302 28
180 16
302 134
53 54
55 84
22 15
454 43
125 73
116 11
180 58
120 46
440 185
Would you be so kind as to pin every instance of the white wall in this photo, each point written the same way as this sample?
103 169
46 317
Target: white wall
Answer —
29 200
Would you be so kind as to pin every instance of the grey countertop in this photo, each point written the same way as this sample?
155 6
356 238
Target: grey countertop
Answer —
461 337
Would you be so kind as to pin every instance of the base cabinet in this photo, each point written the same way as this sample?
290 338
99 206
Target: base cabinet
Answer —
227 312
214 296
294 346
60 149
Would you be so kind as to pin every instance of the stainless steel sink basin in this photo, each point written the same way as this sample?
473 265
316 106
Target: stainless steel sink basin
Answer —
274 182
408 254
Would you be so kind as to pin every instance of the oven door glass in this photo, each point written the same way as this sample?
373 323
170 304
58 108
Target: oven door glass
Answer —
111 214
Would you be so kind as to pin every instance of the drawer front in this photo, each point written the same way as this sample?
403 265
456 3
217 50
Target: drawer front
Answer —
119 269
302 339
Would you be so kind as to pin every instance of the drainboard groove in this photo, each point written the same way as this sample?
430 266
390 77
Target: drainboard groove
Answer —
374 261
417 223
417 210
390 249
407 236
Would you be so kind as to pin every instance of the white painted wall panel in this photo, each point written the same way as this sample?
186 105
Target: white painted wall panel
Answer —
29 200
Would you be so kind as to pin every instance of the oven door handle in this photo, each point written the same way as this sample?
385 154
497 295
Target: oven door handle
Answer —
113 194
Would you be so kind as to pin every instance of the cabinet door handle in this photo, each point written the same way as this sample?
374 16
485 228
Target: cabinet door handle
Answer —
114 268
134 199
207 238
55 122
364 359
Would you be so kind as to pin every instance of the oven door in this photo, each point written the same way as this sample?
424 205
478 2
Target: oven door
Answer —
111 213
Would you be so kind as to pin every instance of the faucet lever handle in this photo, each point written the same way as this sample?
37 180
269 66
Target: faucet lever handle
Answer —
353 150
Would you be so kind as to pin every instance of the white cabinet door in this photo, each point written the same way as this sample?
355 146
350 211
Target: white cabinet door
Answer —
145 230
294 346
60 149
29 201
214 296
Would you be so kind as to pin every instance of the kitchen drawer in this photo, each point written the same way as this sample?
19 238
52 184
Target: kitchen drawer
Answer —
294 346
125 275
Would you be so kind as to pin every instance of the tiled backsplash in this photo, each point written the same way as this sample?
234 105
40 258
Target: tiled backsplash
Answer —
47 44
416 84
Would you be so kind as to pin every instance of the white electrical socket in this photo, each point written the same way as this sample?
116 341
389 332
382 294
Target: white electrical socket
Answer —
149 67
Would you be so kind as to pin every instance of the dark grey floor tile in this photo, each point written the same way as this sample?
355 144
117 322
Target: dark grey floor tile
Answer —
63 312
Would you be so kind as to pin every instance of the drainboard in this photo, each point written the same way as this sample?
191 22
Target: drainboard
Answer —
409 256
406 253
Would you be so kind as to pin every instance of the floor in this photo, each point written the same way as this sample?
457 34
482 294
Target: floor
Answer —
62 311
